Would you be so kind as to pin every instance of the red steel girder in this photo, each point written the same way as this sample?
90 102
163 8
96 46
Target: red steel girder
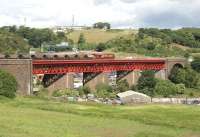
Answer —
78 66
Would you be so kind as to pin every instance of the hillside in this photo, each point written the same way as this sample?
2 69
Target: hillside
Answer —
28 117
12 44
151 42
143 42
99 35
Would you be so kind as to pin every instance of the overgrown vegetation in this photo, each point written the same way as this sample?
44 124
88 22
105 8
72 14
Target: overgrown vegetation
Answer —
19 39
180 80
8 84
185 76
196 64
152 42
189 37
12 44
149 42
147 83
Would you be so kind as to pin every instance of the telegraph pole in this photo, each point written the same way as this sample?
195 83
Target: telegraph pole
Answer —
24 21
73 20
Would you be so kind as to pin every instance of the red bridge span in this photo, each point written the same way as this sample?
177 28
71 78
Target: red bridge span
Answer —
59 72
105 65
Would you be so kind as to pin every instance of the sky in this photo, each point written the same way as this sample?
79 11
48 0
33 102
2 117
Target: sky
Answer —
120 13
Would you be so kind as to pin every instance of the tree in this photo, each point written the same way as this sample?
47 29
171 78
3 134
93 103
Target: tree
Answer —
147 82
165 88
12 44
85 89
122 86
81 39
8 84
186 76
36 37
100 47
180 88
61 36
192 78
104 91
177 75
102 25
196 64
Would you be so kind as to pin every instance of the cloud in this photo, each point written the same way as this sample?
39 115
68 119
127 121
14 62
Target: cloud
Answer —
100 2
120 13
130 1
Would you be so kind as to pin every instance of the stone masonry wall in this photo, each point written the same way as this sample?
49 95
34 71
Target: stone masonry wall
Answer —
21 69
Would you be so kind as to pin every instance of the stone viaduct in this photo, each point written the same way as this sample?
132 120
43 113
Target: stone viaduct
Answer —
22 70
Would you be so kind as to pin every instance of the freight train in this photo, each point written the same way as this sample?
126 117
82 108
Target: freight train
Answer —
73 56
61 56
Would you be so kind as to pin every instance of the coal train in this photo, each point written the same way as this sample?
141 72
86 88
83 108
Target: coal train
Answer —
62 56
73 56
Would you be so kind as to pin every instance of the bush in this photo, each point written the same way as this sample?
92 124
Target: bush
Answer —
8 84
100 47
180 88
147 82
104 91
42 93
186 76
196 65
67 92
122 86
105 87
84 90
165 88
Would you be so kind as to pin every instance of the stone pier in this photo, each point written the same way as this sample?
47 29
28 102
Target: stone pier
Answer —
21 69
66 81
101 78
132 77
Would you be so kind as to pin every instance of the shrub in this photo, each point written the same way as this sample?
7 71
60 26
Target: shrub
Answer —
196 65
165 88
8 84
122 86
185 76
180 88
147 82
67 92
100 47
84 90
104 91
42 93
105 87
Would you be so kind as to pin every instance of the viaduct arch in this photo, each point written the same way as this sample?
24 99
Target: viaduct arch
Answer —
22 68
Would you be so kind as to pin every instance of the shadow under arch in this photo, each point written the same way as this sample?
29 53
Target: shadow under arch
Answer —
178 65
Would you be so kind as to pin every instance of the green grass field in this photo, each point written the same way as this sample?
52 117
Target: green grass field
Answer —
98 35
29 117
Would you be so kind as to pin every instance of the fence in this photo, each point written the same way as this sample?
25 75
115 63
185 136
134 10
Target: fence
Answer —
176 100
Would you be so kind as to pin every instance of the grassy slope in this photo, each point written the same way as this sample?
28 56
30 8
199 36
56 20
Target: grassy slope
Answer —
39 118
97 35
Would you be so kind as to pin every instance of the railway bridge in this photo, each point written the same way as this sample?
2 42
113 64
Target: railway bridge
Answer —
59 73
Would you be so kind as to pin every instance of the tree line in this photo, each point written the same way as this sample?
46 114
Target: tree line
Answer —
21 39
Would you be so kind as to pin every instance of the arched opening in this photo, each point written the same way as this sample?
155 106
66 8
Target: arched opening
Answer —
45 56
20 56
86 57
33 56
174 72
7 56
177 65
55 56
67 57
76 56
